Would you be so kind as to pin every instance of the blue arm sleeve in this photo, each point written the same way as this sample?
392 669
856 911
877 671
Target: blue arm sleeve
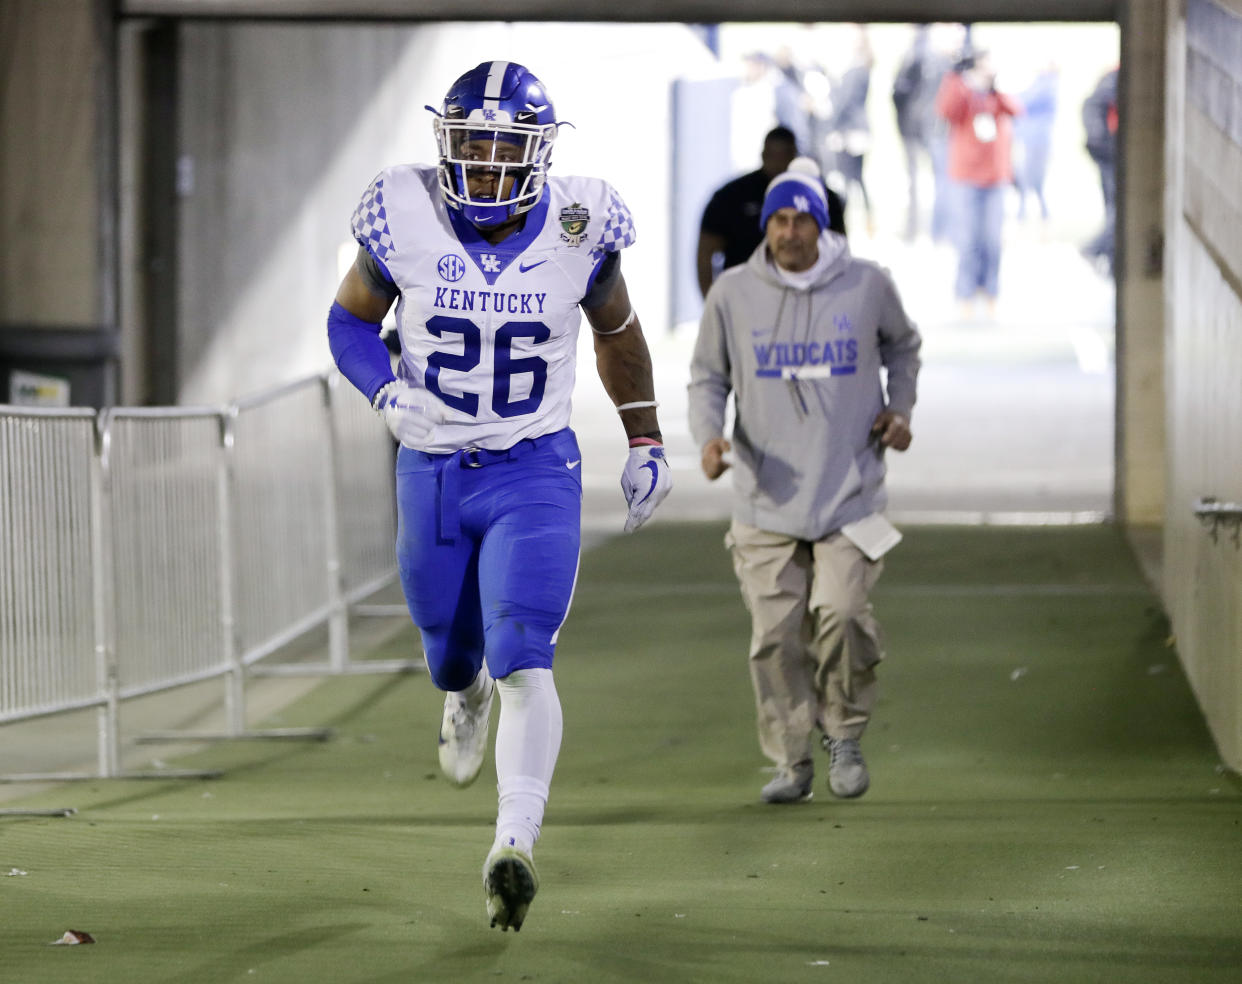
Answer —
358 351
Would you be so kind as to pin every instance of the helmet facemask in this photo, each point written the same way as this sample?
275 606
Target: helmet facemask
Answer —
485 145
496 120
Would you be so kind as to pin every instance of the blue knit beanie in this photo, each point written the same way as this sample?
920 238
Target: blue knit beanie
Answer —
800 187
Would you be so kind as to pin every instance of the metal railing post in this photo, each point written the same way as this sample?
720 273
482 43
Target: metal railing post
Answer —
108 672
338 620
235 675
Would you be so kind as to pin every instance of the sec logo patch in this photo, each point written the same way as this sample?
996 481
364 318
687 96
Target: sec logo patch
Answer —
451 267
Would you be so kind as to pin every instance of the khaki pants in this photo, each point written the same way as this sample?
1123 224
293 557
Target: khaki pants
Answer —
814 641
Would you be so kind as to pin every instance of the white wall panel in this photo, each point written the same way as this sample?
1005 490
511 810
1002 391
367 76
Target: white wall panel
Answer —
1203 352
1203 574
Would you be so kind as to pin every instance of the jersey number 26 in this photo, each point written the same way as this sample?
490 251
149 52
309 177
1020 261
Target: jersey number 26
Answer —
504 367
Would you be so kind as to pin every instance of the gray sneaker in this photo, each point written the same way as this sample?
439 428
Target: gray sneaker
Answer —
847 772
789 786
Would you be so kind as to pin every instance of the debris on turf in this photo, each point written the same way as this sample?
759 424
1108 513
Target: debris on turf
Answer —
72 937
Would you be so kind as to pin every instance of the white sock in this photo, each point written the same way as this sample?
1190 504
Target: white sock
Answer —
477 689
528 738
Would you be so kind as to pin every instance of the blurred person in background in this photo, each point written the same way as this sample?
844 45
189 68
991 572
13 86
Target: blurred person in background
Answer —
1100 120
491 262
1033 138
822 362
792 110
847 129
980 169
923 131
729 230
753 106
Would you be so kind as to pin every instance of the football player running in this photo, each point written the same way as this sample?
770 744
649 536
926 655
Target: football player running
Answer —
490 261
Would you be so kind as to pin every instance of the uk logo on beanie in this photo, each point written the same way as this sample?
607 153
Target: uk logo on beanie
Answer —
800 188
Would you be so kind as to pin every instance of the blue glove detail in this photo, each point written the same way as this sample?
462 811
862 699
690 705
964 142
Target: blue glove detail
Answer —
645 481
410 412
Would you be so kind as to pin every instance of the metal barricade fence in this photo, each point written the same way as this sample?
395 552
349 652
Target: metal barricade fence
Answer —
163 513
281 471
48 632
367 514
358 498
144 549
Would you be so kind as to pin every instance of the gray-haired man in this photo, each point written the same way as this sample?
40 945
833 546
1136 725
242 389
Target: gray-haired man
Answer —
799 335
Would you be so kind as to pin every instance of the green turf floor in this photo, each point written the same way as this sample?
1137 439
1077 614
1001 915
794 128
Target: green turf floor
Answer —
1046 806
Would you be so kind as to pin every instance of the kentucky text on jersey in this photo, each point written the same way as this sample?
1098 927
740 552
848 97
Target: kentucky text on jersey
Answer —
841 355
496 301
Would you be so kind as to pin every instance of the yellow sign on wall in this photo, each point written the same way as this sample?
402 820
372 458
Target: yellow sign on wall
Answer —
30 389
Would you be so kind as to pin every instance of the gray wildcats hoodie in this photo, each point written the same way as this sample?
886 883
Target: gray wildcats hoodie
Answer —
804 367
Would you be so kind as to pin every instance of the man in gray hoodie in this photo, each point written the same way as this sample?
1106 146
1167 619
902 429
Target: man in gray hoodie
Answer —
800 334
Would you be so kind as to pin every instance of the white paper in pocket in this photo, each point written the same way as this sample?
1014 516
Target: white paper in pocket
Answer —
874 535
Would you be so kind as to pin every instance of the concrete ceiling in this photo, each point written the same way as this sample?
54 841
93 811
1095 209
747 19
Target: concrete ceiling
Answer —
686 11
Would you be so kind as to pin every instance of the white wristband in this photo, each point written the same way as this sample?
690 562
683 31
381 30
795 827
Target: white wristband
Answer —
640 404
375 403
629 320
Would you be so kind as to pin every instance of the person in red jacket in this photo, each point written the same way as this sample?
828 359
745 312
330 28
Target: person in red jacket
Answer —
980 169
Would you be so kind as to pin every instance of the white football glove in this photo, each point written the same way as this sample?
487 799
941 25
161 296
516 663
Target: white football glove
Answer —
645 481
411 413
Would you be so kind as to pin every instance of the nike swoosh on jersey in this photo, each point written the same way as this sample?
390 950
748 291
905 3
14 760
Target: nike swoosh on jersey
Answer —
524 267
572 464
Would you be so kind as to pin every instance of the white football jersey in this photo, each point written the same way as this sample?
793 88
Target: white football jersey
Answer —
492 330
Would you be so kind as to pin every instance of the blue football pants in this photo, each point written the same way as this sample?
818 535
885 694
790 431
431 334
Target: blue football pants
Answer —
487 548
